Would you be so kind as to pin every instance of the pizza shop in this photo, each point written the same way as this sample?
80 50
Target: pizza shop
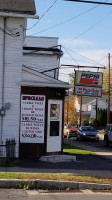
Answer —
42 119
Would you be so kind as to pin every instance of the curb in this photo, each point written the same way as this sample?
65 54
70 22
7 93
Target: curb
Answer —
51 184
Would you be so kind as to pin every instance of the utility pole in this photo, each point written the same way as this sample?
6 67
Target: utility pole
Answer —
80 110
108 109
68 109
96 107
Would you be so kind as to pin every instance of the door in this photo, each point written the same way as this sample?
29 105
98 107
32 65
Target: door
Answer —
54 126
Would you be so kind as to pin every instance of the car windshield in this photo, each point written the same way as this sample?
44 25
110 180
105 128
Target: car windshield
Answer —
72 126
88 129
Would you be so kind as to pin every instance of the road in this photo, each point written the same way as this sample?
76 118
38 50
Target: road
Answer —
13 194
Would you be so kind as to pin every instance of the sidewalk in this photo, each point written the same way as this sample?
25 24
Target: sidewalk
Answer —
99 165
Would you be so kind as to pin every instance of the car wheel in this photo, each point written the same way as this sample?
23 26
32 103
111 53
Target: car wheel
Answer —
106 142
77 138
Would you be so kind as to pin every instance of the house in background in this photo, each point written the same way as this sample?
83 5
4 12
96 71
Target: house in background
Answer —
31 96
89 106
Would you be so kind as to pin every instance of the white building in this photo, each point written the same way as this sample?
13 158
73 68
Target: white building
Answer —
89 106
28 68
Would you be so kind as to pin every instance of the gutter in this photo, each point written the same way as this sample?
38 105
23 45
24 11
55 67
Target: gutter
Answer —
11 14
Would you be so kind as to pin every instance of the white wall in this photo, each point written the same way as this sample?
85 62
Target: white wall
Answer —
13 70
44 60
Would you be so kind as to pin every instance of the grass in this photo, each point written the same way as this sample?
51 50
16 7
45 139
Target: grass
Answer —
75 150
61 177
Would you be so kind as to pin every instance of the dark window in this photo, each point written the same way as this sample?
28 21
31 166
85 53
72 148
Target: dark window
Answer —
54 128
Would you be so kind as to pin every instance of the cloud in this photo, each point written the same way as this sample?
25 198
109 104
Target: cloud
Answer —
76 43
93 57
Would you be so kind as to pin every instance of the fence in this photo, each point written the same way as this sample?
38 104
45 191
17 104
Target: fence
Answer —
8 149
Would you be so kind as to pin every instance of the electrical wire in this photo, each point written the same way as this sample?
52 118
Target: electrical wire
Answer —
82 55
70 55
91 27
42 15
94 2
76 16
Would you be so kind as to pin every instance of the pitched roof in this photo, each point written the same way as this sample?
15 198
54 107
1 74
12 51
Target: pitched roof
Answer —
18 6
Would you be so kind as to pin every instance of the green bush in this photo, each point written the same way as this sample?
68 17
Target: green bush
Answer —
94 122
85 122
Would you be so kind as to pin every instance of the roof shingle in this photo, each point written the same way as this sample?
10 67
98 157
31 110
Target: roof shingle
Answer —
18 6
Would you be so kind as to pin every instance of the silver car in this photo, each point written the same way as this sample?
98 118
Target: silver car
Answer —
87 132
108 135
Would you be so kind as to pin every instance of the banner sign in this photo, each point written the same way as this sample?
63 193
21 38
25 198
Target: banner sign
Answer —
32 119
94 79
88 91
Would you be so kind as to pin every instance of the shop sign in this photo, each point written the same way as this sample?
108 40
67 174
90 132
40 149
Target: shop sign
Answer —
32 119
89 78
88 91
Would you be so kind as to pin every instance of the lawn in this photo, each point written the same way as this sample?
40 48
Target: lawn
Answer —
75 150
69 149
61 177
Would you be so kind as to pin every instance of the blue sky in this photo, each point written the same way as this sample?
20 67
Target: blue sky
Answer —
86 37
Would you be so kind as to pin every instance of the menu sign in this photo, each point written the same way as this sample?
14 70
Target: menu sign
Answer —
32 119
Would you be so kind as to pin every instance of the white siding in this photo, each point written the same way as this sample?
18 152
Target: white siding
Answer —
13 70
43 61
41 41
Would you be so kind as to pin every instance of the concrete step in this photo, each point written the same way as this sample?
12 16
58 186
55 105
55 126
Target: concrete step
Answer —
58 158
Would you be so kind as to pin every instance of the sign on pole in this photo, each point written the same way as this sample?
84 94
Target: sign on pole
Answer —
88 83
94 79
88 91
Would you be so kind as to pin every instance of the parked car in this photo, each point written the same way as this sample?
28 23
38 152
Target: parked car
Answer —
108 135
87 132
70 130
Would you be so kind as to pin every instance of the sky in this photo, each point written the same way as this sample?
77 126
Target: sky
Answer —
84 31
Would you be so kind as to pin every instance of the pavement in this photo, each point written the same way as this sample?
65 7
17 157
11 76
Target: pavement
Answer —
99 165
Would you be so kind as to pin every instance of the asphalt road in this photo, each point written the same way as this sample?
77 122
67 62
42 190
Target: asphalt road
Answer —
84 164
14 194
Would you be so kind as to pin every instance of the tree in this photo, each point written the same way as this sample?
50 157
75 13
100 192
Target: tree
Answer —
70 113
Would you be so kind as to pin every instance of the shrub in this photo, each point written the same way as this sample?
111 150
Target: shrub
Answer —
85 122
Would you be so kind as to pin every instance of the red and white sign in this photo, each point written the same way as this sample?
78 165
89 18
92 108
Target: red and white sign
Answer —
88 91
32 119
89 78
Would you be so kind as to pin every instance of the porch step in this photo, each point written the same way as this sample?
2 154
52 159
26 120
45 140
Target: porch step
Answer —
58 158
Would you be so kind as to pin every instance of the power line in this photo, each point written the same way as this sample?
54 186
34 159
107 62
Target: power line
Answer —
70 55
93 2
92 26
82 56
42 15
67 20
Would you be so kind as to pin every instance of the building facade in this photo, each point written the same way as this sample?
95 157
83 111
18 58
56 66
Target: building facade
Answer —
29 85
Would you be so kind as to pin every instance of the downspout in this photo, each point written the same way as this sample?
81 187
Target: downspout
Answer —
2 111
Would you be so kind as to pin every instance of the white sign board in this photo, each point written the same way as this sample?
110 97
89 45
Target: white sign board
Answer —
94 79
32 119
88 91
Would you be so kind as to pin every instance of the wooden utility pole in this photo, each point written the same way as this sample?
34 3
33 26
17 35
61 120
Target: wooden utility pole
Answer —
108 109
80 110
68 109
